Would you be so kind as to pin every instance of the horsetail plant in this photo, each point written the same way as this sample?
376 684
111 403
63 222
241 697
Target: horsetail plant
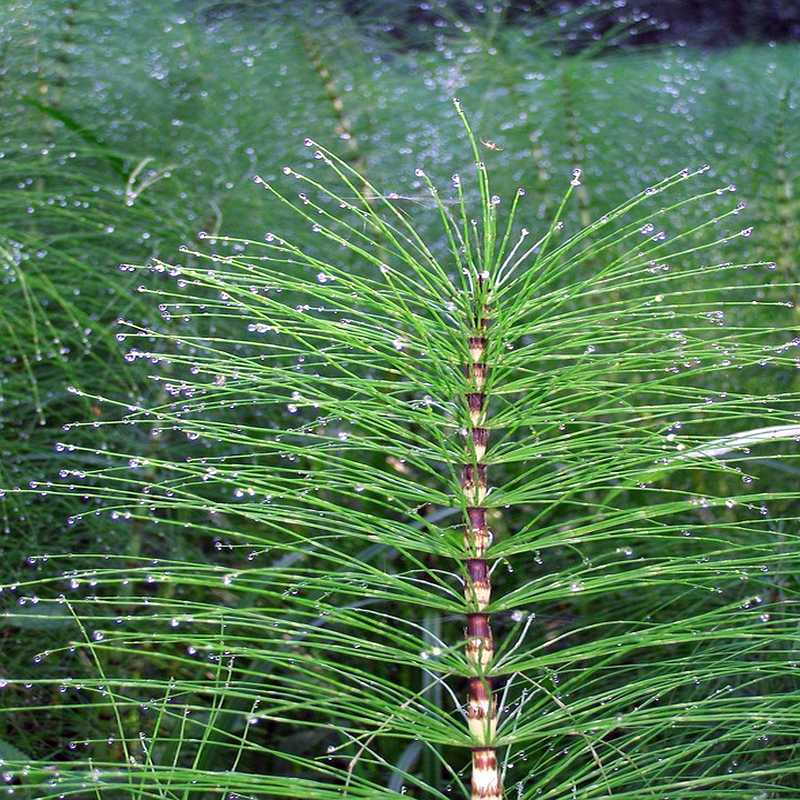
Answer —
401 418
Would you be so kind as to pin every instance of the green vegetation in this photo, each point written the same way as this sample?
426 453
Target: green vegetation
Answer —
234 503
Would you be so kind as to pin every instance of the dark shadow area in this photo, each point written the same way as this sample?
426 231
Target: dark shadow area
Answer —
413 25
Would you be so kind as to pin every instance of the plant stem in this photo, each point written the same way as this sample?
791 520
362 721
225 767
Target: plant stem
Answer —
481 705
344 128
574 143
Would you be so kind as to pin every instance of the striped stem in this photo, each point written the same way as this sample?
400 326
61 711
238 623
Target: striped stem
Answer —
784 192
481 704
575 144
344 127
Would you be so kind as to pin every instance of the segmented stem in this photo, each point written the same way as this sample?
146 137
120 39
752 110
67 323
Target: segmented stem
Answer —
575 145
784 191
344 127
481 705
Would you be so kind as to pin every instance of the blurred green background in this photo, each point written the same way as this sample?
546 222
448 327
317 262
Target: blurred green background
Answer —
130 127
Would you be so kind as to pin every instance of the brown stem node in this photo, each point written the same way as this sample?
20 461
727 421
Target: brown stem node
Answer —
485 775
477 346
479 585
476 373
477 536
476 402
480 645
473 482
480 438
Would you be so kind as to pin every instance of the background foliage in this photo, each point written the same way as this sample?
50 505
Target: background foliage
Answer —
130 129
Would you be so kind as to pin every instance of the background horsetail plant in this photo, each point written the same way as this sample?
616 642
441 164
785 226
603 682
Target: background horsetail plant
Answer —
403 420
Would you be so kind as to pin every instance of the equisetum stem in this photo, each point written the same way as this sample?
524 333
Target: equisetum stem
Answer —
344 128
481 705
